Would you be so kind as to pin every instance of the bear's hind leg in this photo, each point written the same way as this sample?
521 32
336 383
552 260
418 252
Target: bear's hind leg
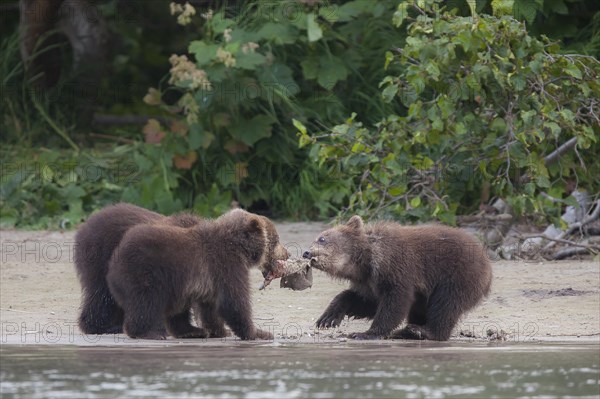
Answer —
99 313
144 318
180 327
418 311
443 312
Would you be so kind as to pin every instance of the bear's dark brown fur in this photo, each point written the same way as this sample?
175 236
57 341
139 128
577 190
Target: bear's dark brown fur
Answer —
158 272
95 243
429 275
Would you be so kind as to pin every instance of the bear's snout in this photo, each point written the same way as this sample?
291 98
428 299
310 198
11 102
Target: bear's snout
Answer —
307 255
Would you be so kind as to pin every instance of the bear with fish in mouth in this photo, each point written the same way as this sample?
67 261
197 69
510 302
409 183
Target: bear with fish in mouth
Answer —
95 242
427 275
159 271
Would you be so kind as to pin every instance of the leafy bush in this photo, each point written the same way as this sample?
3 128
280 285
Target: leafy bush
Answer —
224 133
238 89
58 189
486 104
575 23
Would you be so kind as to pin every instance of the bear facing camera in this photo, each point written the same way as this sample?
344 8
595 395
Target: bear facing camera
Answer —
159 271
427 275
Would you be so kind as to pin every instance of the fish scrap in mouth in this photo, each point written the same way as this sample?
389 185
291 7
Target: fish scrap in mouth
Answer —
276 272
315 264
283 268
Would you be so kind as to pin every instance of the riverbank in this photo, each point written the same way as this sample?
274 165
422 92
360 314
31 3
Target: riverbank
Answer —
541 301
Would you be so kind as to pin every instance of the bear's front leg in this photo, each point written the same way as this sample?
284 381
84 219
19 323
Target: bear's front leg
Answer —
207 315
391 311
234 307
345 303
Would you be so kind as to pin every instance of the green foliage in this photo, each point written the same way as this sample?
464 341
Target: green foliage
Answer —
30 115
576 23
233 97
58 189
426 142
486 103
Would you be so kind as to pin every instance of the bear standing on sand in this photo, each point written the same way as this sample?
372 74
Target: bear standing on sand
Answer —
95 243
427 275
158 272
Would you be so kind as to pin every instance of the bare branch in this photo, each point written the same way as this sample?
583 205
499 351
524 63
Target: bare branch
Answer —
590 247
568 252
560 151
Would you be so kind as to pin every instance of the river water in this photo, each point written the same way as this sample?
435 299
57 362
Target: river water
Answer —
383 369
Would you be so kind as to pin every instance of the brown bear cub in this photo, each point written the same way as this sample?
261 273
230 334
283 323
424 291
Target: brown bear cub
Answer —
428 275
158 272
95 243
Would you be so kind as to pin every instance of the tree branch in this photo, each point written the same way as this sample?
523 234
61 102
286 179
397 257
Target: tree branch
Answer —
560 151
568 252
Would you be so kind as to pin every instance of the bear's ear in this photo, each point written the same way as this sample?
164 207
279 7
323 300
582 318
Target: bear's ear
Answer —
355 222
253 225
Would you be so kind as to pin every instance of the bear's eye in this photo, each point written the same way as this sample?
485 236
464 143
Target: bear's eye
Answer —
321 240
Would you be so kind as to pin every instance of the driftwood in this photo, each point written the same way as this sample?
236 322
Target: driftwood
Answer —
577 225
481 216
544 244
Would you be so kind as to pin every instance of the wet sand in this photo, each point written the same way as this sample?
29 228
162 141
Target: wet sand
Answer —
530 301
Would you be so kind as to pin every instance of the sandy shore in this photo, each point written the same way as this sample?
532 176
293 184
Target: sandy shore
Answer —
40 294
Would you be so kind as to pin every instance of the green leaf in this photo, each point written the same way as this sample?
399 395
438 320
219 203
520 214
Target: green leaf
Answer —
460 129
554 128
573 71
518 82
525 9
249 61
300 126
358 147
219 23
396 191
567 115
558 6
498 125
389 93
502 7
278 77
199 138
252 130
204 53
415 202
352 9
528 116
389 57
571 201
332 70
310 68
433 70
73 192
542 181
400 14
314 30
278 33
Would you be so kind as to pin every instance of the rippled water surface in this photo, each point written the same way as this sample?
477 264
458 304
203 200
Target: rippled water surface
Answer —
382 370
